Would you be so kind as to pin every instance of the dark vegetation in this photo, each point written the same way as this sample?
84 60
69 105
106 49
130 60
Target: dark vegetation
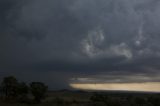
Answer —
14 93
126 99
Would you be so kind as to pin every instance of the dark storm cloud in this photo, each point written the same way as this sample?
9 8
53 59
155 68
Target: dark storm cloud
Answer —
79 37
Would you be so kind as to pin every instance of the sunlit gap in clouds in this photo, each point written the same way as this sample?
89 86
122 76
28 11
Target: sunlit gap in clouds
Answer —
145 87
118 82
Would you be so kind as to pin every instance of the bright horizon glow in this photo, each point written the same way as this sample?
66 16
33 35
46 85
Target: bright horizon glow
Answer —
144 87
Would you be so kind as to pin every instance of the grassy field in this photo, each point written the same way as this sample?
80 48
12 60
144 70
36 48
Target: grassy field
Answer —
80 98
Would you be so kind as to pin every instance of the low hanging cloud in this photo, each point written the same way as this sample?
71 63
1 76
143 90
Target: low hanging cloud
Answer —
93 46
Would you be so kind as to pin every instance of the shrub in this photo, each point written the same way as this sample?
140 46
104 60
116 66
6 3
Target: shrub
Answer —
38 90
10 87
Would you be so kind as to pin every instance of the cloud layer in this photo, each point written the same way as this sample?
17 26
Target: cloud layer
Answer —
80 39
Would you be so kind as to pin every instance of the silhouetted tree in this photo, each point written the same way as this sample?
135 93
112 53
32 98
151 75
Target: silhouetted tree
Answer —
23 91
10 87
38 90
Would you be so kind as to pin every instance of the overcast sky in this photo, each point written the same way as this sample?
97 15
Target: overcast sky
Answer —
82 41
